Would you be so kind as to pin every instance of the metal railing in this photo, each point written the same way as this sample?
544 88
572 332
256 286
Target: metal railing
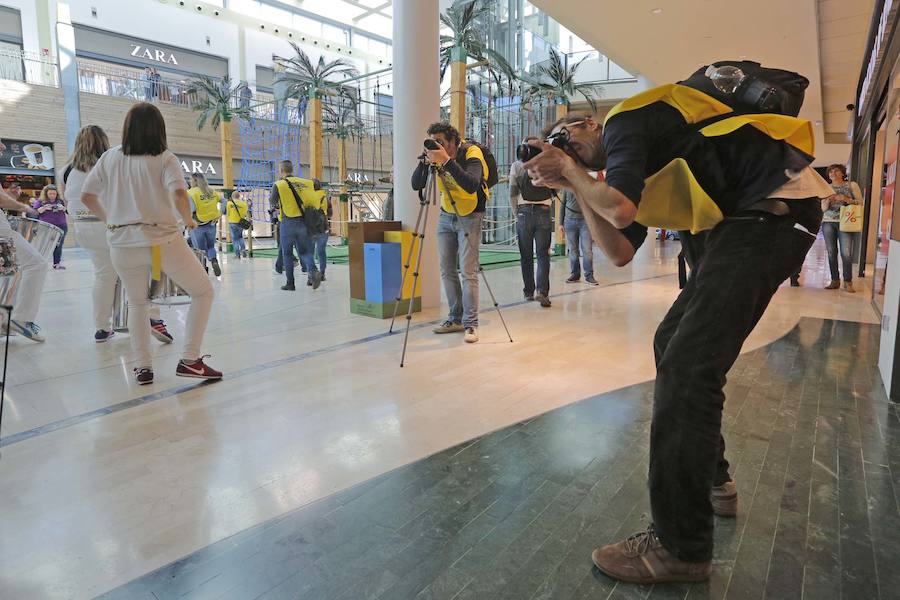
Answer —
28 67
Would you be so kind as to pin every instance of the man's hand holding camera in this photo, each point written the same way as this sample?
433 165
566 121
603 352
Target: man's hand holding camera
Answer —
437 156
551 168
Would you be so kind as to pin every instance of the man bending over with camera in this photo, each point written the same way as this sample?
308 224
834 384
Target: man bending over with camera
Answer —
459 226
720 155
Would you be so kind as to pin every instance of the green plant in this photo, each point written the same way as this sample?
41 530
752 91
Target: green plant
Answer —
342 119
462 18
555 81
217 100
304 78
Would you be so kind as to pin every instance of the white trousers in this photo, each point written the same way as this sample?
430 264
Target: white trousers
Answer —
33 270
91 235
180 264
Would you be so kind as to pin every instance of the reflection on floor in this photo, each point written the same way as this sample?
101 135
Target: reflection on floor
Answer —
815 450
104 481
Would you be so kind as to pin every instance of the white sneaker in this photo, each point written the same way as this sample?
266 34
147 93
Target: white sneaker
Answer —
471 335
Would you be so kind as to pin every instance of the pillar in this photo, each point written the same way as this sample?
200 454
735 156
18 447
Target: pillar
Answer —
68 74
416 105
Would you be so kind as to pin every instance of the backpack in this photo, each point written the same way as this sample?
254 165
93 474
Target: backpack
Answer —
493 175
315 219
764 90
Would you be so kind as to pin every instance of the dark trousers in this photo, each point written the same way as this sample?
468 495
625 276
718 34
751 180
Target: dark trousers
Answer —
533 230
743 261
293 234
57 251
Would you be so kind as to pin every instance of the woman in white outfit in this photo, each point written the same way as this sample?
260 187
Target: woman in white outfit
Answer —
90 232
142 186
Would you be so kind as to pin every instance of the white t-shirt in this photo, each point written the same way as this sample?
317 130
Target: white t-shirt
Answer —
137 192
74 187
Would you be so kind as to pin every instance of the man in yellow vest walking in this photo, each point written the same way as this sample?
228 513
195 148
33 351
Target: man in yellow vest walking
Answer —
294 196
723 158
205 207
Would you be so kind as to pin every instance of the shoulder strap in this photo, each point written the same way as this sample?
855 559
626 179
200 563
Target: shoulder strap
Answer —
66 174
296 196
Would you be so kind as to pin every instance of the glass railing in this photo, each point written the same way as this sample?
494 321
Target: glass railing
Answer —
28 68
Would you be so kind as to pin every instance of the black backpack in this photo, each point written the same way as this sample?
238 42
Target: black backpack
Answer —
315 219
764 90
493 175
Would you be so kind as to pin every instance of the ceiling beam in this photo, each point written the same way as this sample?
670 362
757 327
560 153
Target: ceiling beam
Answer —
369 10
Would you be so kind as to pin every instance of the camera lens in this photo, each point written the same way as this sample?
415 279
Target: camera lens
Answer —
526 152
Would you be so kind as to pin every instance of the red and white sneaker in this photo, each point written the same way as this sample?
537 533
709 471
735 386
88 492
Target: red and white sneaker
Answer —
159 331
197 369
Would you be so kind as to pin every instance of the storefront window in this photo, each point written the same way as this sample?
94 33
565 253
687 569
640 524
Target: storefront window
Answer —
883 186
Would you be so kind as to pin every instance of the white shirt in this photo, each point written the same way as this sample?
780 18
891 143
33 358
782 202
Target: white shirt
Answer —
137 192
74 187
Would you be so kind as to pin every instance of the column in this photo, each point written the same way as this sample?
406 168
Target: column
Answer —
68 73
416 105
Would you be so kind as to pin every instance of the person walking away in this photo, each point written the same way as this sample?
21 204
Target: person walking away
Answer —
321 239
579 243
459 224
532 207
845 192
235 209
90 233
33 273
51 209
144 196
205 208
294 196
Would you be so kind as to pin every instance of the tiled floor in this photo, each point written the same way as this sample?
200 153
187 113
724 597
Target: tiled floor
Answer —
815 448
104 481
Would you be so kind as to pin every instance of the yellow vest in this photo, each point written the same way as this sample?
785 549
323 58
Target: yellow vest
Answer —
672 197
286 198
234 215
207 207
465 202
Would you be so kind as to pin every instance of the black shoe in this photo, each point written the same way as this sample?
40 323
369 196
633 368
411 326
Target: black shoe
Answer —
288 287
574 279
795 282
529 297
543 299
316 280
102 335
309 283
323 275
143 376
590 279
216 268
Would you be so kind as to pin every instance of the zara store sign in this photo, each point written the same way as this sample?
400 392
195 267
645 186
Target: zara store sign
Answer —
154 54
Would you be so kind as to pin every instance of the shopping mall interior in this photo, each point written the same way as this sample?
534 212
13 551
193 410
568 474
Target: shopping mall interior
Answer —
348 438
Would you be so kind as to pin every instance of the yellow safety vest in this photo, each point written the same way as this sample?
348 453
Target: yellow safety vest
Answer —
286 198
465 202
672 196
207 207
234 215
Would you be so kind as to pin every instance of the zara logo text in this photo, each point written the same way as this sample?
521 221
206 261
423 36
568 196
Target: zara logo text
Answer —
151 54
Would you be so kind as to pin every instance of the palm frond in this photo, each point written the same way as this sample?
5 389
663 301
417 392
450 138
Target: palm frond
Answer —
217 100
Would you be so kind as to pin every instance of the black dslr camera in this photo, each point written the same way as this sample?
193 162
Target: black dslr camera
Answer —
526 151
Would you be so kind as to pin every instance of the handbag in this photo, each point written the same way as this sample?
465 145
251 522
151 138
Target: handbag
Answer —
316 222
851 217
244 223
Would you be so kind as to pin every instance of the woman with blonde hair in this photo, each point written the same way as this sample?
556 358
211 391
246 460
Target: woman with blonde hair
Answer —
51 209
143 193
90 233
205 208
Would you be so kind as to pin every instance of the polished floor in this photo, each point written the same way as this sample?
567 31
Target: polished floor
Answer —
514 514
104 481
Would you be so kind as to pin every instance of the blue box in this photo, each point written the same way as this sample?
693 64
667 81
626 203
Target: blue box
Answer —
383 271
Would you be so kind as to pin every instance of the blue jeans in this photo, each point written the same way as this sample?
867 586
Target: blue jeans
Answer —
57 252
321 241
832 233
578 241
204 238
237 238
533 230
458 241
295 235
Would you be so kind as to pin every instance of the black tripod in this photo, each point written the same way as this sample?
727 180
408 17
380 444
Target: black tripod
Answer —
8 318
429 198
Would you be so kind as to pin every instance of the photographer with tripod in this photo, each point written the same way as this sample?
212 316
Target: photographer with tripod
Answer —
464 194
721 156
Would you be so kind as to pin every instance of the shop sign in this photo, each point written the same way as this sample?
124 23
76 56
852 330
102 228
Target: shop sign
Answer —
154 54
875 56
26 157
204 166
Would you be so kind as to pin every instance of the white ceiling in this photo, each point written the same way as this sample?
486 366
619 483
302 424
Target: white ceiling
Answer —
669 44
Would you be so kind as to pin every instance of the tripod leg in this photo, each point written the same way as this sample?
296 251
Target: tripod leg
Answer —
8 310
417 235
494 301
412 296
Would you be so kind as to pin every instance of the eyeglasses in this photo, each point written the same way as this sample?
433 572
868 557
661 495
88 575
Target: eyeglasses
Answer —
564 129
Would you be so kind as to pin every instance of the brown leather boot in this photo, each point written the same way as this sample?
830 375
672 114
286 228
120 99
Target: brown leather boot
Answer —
833 285
642 559
848 287
725 499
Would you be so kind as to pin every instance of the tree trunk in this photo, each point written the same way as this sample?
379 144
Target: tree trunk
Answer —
314 118
227 174
343 199
458 57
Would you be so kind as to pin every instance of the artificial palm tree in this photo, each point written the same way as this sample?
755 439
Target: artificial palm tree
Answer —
465 40
305 79
555 81
218 102
342 121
